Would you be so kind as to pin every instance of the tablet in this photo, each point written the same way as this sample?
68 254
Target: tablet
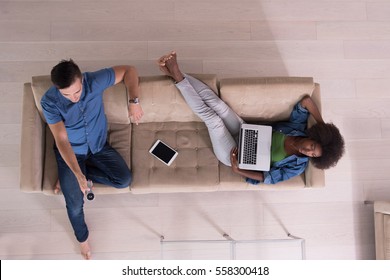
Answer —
163 152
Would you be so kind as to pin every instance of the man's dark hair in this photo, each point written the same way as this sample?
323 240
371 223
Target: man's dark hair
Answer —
65 73
331 141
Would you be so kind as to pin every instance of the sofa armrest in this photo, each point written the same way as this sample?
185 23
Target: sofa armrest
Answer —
32 144
382 229
314 177
382 207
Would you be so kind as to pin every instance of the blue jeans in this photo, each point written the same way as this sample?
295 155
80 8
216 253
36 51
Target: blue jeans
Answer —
222 122
105 167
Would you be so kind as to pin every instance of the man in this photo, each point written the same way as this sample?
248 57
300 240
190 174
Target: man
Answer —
73 108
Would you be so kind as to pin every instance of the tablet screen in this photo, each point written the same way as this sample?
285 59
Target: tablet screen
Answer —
163 152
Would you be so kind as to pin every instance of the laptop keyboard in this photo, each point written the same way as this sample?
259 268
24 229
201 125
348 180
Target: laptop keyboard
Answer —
250 147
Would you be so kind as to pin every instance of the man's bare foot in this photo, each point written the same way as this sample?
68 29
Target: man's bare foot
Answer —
57 187
85 250
168 65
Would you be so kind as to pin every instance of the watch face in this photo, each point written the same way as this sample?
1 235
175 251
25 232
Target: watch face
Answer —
134 100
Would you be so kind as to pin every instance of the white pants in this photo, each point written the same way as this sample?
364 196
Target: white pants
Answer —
222 122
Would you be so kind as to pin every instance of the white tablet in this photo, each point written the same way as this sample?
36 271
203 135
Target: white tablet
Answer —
163 152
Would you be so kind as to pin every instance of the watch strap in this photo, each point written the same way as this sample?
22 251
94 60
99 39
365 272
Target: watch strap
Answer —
134 100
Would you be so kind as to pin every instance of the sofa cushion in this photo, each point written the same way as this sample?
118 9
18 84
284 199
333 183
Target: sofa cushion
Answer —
264 99
230 181
50 172
162 101
114 98
116 104
194 169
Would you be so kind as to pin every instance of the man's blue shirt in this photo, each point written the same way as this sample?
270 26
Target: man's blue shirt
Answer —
85 121
292 165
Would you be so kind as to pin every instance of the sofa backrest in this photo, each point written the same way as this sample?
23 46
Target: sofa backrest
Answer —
114 98
265 99
162 102
160 99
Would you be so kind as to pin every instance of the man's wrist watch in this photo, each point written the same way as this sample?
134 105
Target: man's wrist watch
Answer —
134 100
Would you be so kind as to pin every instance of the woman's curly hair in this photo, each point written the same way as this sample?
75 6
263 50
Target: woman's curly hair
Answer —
331 141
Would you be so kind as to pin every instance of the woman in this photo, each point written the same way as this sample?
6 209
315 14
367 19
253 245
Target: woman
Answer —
292 145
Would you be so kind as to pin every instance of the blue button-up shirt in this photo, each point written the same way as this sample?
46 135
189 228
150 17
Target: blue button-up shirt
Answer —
85 121
292 165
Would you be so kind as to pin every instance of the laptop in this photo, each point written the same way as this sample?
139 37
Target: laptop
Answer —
254 149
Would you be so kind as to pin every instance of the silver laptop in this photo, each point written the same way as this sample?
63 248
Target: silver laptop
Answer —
254 149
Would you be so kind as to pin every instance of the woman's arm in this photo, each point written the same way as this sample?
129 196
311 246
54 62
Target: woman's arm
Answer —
277 174
308 103
256 175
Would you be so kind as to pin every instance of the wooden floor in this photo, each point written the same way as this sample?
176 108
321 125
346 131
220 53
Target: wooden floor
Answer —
344 45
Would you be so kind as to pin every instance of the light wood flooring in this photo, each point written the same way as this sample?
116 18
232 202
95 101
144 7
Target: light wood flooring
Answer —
344 45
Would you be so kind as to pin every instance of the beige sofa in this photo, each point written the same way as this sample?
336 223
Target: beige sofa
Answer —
167 117
382 229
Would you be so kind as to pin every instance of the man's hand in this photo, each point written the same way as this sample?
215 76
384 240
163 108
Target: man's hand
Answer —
83 184
128 74
135 112
67 153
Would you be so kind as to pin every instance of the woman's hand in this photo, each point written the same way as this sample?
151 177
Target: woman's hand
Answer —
233 159
308 103
256 175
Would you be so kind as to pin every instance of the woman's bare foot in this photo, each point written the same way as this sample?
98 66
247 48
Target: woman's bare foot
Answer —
85 250
57 187
168 65
161 63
